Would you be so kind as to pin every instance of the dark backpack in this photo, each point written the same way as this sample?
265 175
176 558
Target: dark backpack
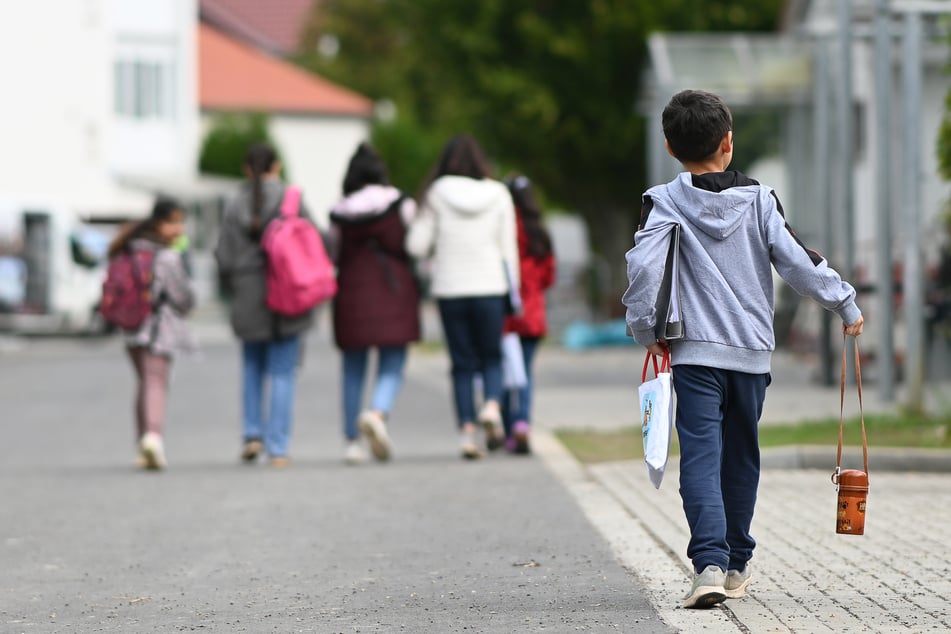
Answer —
127 289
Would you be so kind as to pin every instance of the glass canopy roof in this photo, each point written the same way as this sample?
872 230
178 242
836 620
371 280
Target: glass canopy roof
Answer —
742 68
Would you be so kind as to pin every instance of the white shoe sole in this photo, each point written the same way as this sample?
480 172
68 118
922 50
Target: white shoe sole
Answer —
376 435
705 597
739 592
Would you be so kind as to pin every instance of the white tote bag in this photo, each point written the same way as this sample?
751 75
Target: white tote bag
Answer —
657 416
514 375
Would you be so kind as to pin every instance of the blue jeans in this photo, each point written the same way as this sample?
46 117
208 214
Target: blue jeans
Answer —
389 379
273 362
718 415
517 403
473 329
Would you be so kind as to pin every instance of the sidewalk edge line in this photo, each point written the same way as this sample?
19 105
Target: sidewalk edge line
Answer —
626 534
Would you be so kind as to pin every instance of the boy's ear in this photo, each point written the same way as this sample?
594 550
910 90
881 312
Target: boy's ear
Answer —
669 151
726 143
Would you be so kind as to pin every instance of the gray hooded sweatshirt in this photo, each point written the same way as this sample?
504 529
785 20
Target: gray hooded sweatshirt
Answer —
732 232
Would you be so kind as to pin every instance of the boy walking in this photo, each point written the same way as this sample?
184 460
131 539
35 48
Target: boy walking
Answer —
732 230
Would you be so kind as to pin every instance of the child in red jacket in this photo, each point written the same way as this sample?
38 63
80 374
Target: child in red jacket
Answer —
537 267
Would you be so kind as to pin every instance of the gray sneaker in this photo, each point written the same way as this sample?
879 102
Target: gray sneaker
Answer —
707 589
736 582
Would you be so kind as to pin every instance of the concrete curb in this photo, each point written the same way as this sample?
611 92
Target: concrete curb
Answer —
879 459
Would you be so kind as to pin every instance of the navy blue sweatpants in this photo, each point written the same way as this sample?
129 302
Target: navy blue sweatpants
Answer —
718 415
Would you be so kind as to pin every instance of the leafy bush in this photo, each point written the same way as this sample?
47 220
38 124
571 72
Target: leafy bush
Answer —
222 152
409 149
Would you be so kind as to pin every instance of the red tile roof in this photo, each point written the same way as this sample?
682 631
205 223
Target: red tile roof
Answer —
233 76
272 25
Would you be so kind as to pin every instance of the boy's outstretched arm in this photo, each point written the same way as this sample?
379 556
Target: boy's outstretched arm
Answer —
809 274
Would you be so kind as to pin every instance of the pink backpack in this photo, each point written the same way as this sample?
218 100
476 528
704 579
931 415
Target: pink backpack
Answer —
127 290
300 274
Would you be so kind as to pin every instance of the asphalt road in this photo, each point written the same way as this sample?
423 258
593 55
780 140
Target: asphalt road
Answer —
426 543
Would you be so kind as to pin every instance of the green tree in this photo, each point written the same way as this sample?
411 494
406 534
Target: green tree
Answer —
943 151
944 140
222 152
548 87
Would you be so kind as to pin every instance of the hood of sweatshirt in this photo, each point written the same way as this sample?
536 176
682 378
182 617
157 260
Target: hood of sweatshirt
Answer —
467 195
717 213
367 201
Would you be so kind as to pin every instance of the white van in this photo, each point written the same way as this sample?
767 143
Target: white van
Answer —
51 267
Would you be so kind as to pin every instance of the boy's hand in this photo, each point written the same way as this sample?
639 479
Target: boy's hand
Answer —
658 349
854 329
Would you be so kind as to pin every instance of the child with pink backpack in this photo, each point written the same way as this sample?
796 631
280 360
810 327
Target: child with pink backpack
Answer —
272 263
147 294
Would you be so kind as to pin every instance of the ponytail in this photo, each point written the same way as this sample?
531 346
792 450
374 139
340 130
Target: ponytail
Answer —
539 241
127 233
259 160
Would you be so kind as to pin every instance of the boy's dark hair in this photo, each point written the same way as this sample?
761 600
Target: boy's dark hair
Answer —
694 123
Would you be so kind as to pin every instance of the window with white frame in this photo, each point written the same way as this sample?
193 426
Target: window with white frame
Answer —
144 88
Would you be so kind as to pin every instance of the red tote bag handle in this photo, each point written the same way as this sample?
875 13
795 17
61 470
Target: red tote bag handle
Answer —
664 364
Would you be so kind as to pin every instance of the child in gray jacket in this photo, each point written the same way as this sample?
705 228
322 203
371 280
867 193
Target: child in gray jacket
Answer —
732 232
152 345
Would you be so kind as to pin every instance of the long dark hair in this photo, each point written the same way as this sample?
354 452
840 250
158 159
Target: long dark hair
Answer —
259 160
162 210
366 168
539 240
461 156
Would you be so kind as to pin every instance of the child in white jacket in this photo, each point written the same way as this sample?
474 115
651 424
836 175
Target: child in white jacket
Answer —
467 222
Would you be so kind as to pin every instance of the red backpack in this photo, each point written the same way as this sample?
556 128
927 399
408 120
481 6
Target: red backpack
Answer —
127 290
300 274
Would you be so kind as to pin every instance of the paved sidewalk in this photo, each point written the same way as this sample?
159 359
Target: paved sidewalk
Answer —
895 578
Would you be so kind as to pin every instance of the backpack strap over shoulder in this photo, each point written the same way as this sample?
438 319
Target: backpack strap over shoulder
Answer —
290 204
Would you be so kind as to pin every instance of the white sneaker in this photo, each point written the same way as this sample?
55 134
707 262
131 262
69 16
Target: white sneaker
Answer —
153 451
707 589
491 419
354 453
736 582
373 427
467 444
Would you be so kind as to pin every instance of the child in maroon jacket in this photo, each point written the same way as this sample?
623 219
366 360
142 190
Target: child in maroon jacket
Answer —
537 267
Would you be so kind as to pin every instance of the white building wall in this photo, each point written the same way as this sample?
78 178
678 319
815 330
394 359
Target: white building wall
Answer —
58 123
153 88
52 55
316 153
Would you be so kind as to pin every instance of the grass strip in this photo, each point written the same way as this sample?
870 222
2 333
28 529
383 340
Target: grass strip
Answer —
591 446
